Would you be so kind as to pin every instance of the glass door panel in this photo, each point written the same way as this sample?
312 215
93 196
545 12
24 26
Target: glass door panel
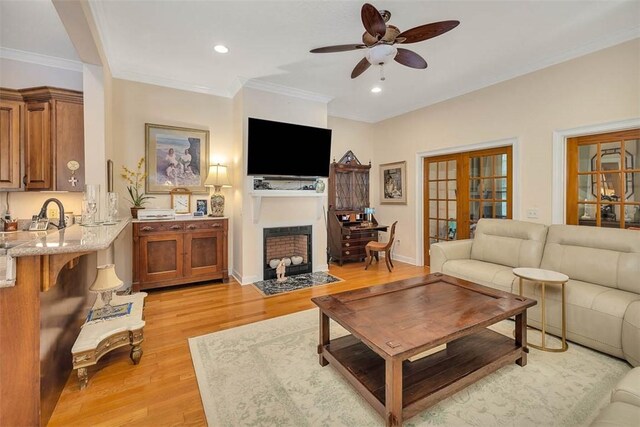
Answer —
462 188
602 180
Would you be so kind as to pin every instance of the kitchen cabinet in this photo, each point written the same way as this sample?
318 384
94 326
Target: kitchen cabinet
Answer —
53 139
168 253
11 116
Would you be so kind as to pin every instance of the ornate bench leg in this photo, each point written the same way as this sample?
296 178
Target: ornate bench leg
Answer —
83 378
136 353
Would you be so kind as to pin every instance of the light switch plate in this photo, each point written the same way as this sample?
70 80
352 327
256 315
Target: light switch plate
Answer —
532 213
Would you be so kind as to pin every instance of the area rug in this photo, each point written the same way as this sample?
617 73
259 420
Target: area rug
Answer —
267 374
293 283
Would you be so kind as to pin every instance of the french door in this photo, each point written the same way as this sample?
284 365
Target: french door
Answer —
461 188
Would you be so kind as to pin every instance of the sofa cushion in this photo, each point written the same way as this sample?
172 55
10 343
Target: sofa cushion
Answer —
617 414
594 313
604 256
510 243
485 273
628 388
631 334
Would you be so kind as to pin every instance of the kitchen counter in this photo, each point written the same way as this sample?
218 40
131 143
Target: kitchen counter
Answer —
76 238
43 304
180 218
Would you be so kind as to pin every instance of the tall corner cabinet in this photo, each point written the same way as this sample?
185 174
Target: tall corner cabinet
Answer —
348 196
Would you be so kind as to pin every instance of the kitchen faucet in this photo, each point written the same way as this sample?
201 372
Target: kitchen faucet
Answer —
43 212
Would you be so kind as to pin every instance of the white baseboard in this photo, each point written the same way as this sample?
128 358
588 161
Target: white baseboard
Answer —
243 280
401 258
321 267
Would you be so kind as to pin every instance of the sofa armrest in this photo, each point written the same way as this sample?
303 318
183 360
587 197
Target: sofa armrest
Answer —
445 251
628 388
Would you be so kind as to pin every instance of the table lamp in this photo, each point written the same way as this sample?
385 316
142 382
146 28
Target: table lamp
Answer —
369 212
106 282
217 179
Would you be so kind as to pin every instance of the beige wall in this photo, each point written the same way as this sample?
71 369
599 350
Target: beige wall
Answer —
351 135
597 88
135 104
277 212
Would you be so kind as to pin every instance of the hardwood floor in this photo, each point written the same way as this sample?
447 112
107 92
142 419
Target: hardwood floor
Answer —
162 389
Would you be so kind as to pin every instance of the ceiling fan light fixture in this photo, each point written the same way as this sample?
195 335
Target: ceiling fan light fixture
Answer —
220 48
381 54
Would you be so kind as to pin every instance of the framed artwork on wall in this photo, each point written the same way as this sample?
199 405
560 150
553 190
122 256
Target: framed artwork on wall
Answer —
393 183
176 157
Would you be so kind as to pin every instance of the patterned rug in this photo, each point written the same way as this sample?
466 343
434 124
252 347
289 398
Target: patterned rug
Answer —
292 283
267 374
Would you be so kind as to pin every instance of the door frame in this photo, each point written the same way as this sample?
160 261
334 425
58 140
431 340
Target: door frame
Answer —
514 142
559 161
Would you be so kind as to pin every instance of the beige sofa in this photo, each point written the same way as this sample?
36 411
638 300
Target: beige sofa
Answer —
624 409
603 264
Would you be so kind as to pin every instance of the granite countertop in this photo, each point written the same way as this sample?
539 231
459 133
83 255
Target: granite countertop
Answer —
75 238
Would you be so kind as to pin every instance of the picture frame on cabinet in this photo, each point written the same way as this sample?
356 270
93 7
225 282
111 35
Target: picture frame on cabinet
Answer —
393 183
201 206
176 157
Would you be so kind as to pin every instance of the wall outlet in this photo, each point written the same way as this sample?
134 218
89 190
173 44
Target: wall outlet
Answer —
52 213
532 213
397 242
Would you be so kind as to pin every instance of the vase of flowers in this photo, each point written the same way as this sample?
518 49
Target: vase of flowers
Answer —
136 181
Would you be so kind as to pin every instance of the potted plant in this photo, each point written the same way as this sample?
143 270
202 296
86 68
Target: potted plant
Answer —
136 181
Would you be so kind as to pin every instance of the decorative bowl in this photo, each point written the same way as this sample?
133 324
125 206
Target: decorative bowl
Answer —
295 260
287 261
274 263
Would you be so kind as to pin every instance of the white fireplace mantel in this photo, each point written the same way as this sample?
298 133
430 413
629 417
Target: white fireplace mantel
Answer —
259 194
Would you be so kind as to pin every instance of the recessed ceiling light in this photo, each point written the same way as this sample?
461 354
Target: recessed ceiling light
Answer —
220 48
376 89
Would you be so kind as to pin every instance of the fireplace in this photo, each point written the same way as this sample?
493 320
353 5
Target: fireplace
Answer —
286 242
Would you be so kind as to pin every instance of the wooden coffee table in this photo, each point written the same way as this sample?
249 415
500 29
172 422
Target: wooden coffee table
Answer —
393 322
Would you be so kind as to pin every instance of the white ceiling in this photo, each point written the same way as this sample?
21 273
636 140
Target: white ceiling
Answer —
34 26
170 43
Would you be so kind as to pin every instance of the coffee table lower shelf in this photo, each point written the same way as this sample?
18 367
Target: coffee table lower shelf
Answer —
425 381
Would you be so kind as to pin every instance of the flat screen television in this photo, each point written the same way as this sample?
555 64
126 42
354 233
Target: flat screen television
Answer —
285 149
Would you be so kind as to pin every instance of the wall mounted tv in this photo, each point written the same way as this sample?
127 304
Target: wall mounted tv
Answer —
285 149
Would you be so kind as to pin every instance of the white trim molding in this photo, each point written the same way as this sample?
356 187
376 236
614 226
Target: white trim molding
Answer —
37 58
421 155
285 90
559 160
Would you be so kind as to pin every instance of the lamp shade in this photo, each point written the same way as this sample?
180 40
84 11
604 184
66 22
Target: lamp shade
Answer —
218 176
106 280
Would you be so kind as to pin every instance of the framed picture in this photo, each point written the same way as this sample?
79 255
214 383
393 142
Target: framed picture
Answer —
176 157
201 206
393 183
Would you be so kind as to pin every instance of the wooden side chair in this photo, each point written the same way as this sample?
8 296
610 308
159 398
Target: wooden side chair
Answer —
374 247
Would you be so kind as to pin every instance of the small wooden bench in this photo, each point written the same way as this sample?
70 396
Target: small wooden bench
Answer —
98 338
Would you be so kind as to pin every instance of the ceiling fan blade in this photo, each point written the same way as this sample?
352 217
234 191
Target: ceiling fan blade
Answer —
372 21
410 59
427 31
338 48
360 68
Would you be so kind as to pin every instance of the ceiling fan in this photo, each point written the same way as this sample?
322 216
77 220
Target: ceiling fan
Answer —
379 40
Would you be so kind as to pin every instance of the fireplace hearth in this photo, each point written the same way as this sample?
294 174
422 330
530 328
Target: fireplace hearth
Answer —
287 242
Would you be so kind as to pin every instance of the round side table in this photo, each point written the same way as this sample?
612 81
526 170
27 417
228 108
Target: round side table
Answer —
546 277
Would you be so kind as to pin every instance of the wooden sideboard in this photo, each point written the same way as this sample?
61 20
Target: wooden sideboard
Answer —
168 253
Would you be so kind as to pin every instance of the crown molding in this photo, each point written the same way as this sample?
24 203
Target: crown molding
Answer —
170 83
286 90
37 58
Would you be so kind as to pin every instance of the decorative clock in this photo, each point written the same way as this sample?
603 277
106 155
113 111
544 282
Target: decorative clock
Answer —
181 200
